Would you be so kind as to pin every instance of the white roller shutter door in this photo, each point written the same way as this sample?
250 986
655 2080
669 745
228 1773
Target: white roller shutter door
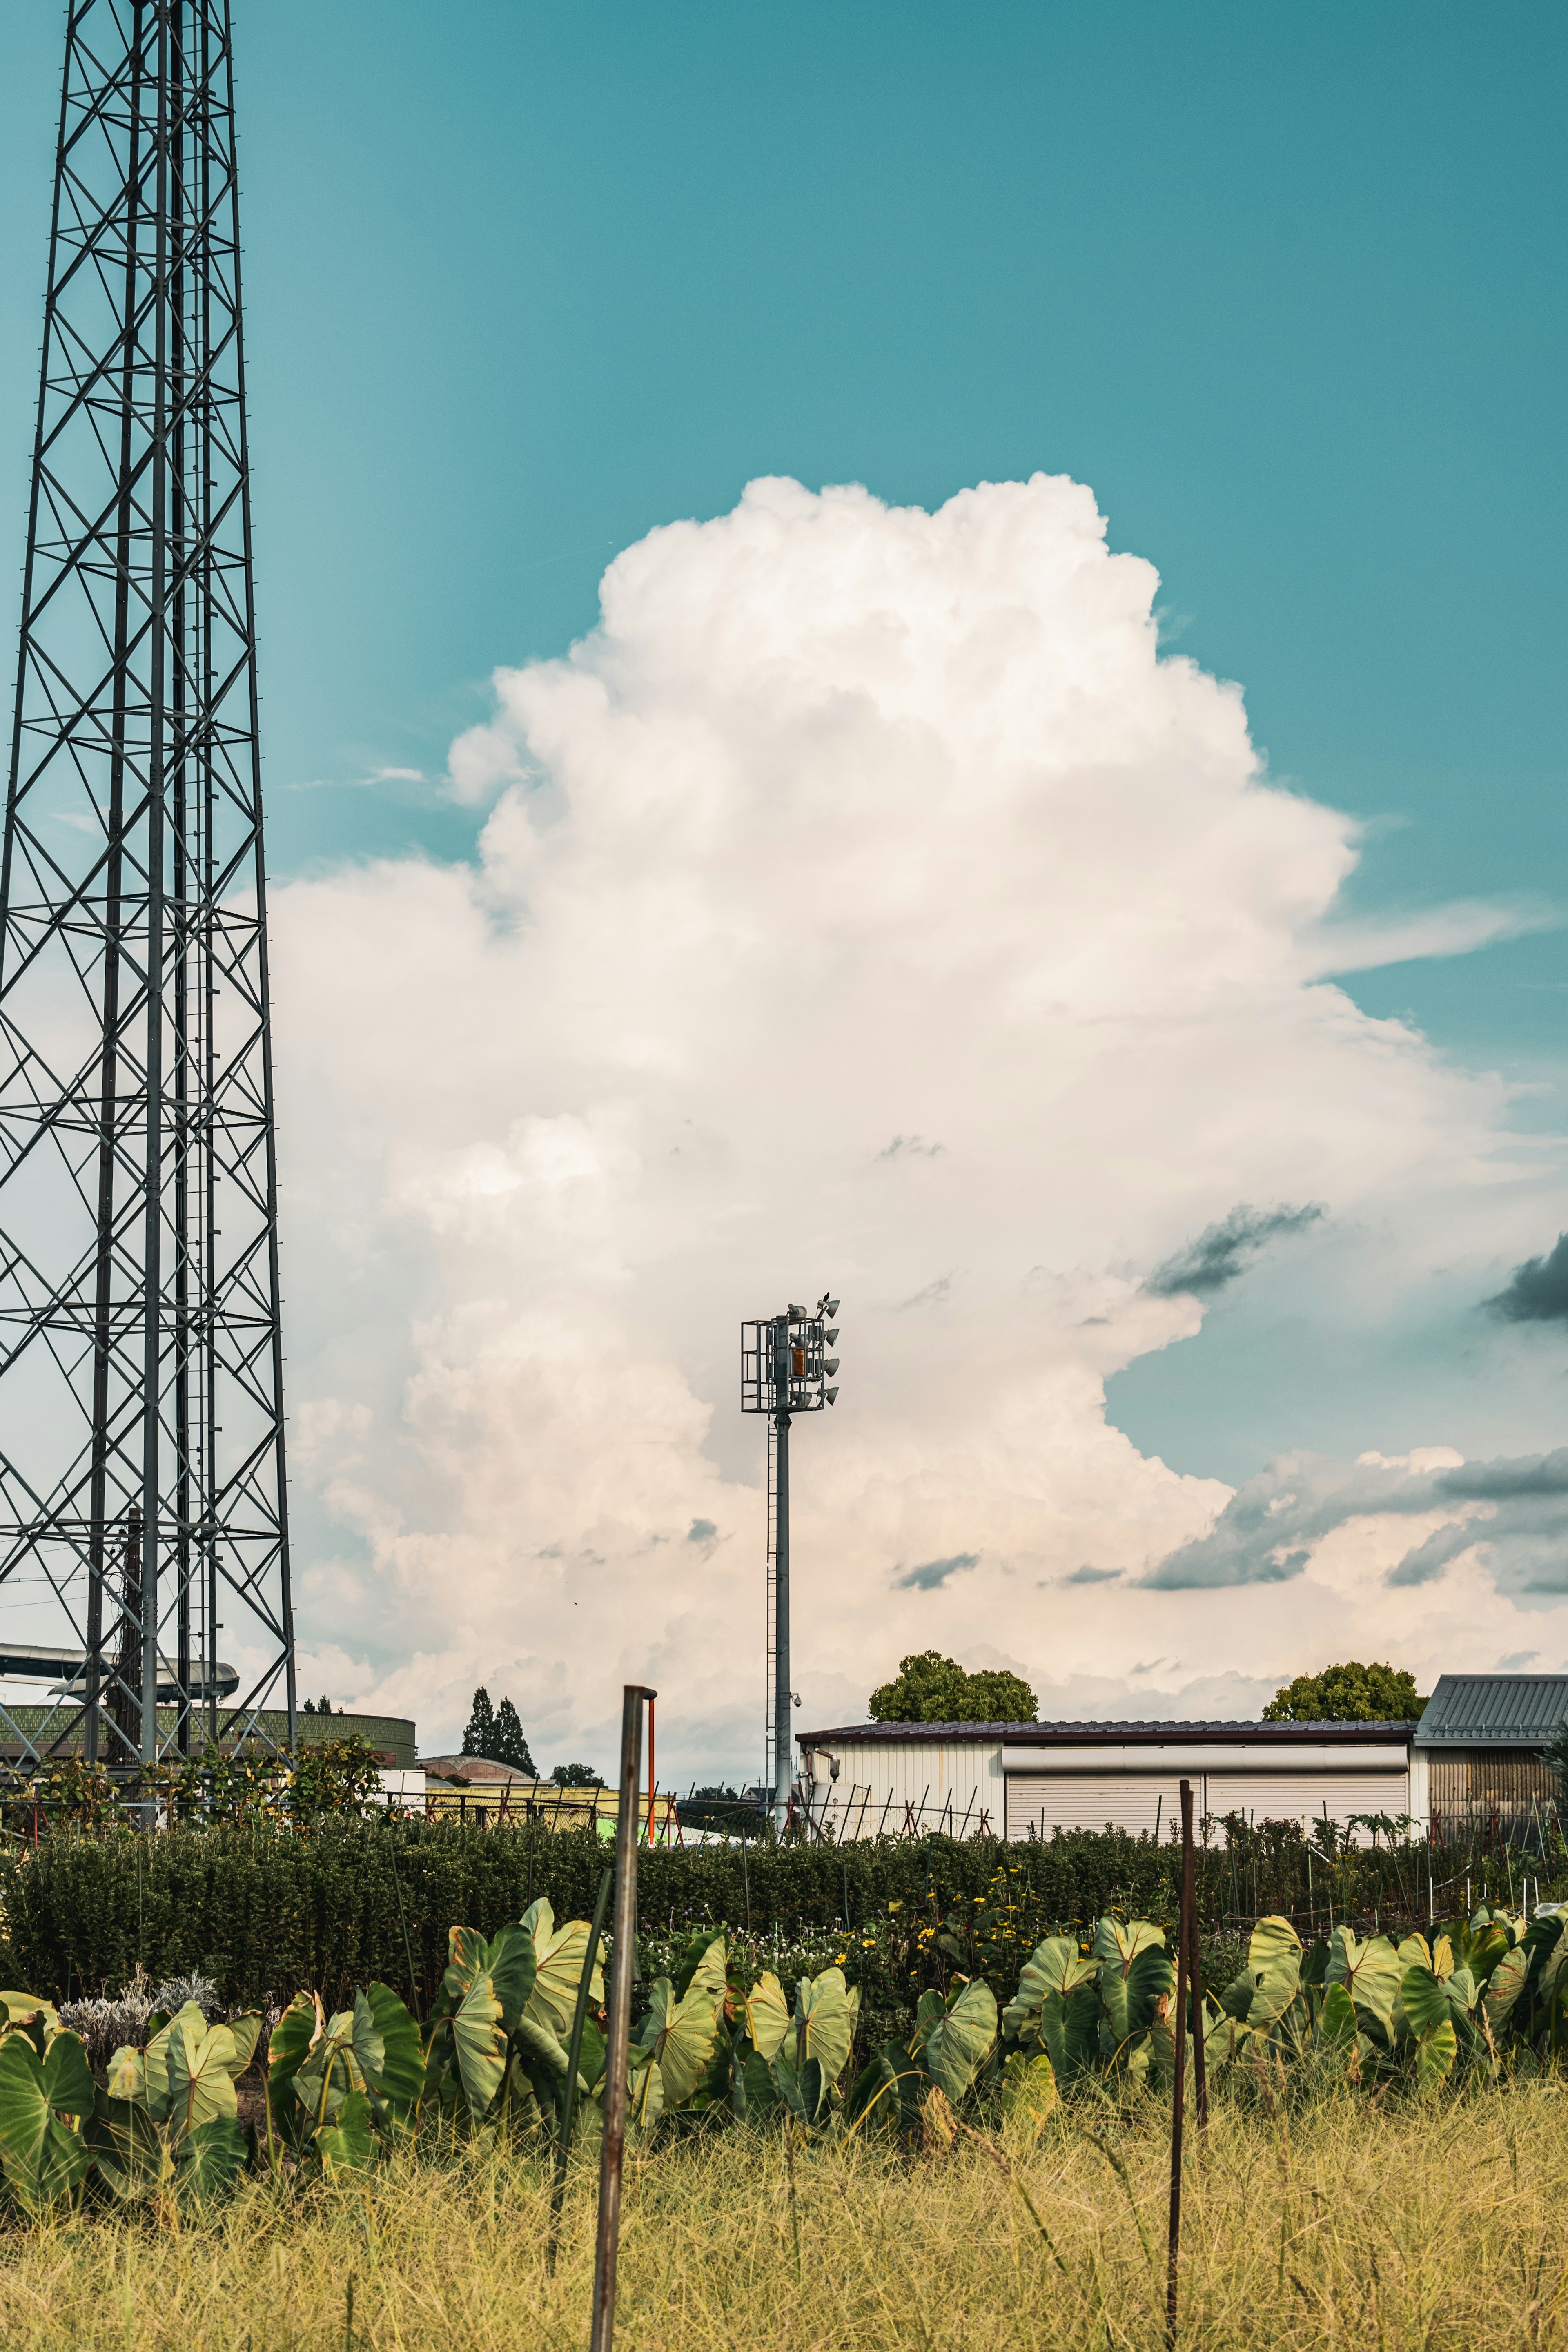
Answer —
1302 1795
1040 1802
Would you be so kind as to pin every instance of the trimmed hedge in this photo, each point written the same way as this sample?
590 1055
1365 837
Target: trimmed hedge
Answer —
266 1913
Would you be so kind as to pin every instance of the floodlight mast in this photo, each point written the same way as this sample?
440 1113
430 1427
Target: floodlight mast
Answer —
784 1369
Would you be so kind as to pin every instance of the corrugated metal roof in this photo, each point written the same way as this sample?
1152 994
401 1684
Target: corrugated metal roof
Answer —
1494 1711
1155 1732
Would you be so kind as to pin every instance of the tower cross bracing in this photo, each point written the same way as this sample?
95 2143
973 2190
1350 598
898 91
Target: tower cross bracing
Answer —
143 1507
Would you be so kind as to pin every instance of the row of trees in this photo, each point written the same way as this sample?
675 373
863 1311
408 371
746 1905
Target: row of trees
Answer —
930 1688
496 1734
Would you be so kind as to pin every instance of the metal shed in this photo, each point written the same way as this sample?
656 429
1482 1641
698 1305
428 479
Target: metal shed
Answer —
1024 1780
1478 1749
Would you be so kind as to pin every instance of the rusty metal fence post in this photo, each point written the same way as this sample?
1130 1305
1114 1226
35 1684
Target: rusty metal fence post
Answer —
617 2043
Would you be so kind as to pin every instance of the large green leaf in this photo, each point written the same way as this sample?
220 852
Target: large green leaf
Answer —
348 2144
803 2089
885 2093
1134 1974
1056 1966
24 2008
645 2095
211 2160
825 2013
68 2078
1336 2019
1434 2054
288 2048
202 2065
958 2045
1505 1984
679 2036
130 2152
766 2015
1459 1989
480 2039
156 2058
42 2158
1423 2000
1274 1963
401 2080
1370 1973
560 1953
1070 2029
512 1965
1028 2088
705 1952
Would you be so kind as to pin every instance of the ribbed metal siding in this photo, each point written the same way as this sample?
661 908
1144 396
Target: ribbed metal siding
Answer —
1459 1777
935 1784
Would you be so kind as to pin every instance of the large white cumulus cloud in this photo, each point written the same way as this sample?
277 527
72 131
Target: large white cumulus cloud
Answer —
867 904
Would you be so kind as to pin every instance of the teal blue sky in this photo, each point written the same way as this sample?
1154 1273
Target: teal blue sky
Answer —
1284 286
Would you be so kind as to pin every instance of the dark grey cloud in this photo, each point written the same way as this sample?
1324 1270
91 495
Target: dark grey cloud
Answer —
934 1572
1266 1531
1092 1576
1222 1252
1535 1292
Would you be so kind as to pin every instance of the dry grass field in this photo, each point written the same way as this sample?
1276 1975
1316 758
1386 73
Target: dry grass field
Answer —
1391 2228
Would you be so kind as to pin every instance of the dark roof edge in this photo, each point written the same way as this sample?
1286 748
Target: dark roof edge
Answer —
1148 1734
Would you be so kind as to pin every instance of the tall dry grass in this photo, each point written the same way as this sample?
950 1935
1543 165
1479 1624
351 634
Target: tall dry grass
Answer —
1391 2229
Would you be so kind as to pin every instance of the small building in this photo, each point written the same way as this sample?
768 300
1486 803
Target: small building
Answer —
1479 1748
1028 1779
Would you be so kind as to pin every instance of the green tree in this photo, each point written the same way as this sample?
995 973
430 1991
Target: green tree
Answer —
510 1747
480 1740
1349 1694
930 1688
577 1776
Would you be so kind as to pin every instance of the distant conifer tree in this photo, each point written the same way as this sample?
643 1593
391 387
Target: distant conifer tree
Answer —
510 1747
480 1740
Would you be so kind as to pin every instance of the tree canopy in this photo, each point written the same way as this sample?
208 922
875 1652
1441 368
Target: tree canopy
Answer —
930 1688
577 1776
1349 1694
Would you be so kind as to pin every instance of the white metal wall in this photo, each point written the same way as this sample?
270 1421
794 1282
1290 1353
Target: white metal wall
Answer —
934 1784
961 1785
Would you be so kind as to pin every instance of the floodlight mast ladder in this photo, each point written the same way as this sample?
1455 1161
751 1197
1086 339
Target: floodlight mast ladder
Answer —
784 1369
142 1497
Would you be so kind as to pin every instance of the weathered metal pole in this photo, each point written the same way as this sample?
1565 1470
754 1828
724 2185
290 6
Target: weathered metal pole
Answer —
618 2040
783 1718
1179 2096
1194 1961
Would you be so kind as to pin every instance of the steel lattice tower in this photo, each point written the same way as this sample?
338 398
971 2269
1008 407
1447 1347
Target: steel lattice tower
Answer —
143 1502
